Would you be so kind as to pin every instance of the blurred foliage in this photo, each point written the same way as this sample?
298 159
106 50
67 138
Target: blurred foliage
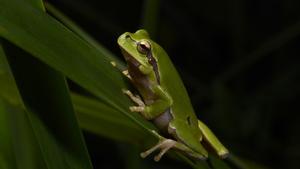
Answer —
237 58
42 132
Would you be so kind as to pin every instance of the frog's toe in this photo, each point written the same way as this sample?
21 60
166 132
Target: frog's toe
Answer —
127 92
114 64
164 146
135 98
136 108
168 144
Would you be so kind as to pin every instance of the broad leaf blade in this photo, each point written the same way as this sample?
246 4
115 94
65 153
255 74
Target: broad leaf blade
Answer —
58 47
99 118
26 153
93 115
49 109
81 33
7 160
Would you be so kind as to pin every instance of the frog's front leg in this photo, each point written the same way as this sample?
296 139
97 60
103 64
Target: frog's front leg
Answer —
154 109
210 138
137 99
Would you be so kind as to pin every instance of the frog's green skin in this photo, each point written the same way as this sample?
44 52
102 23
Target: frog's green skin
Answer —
165 100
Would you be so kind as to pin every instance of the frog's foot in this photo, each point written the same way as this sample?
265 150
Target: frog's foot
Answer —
136 99
163 145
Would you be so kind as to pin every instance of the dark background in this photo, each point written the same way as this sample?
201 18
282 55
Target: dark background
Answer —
239 60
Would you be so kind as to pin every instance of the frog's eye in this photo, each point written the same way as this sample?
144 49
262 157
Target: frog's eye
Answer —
143 47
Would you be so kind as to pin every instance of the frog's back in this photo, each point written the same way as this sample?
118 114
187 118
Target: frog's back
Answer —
171 81
184 118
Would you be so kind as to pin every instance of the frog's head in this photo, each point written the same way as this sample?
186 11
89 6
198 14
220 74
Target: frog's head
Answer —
137 48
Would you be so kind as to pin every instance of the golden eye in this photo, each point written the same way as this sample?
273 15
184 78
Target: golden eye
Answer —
143 47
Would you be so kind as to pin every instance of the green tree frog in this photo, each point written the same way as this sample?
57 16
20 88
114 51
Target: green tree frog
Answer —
164 99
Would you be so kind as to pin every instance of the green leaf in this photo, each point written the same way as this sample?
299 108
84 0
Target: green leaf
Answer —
22 150
81 33
99 118
93 115
58 47
49 109
150 17
6 148
8 87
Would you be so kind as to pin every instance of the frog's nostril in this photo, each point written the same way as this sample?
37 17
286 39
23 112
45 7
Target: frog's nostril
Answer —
127 36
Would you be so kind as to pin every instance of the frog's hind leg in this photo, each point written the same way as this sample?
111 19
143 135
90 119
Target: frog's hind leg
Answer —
210 138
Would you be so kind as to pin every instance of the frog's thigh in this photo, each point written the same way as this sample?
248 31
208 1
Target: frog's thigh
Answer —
212 140
160 105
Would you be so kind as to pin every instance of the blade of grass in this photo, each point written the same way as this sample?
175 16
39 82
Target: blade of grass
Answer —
7 160
49 109
110 123
217 163
8 87
58 47
194 164
150 15
85 36
26 153
93 115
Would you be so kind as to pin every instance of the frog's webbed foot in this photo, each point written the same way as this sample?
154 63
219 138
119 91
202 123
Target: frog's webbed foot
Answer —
164 145
137 99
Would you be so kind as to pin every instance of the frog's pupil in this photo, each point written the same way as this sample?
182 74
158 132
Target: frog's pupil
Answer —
144 47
